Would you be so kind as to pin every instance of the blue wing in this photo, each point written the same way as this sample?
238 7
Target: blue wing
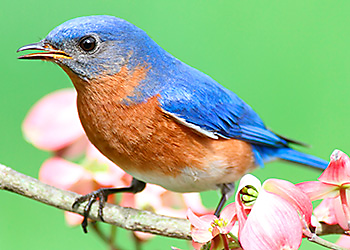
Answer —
215 111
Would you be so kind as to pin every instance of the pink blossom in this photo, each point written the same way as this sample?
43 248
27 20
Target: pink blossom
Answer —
338 170
266 227
206 227
274 221
325 211
334 184
330 211
53 124
270 216
292 194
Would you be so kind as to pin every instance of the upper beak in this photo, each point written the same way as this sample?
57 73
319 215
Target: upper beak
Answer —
48 52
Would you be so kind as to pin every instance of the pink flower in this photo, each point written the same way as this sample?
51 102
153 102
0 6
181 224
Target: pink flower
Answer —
330 211
270 216
293 195
338 170
206 227
325 211
334 184
275 219
53 124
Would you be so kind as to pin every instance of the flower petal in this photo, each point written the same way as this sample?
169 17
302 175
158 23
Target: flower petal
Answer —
325 212
292 194
338 170
200 229
151 197
110 178
202 222
73 219
247 180
339 213
318 190
201 235
74 150
61 173
127 200
272 224
228 214
193 201
53 122
143 236
196 245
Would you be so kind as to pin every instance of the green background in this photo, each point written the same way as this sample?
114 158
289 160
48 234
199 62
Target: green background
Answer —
288 59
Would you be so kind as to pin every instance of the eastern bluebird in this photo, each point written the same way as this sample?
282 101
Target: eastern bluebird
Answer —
157 118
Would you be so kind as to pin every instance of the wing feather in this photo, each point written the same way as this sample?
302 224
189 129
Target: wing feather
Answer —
216 112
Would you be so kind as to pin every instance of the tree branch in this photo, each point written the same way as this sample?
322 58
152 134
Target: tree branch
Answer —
313 237
325 229
128 218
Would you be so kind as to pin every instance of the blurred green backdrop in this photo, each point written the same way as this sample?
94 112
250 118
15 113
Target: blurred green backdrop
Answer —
289 60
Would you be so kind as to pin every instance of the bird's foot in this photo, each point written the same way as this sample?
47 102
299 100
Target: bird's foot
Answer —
100 195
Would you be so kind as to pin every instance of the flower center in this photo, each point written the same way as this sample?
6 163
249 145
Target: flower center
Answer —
218 223
248 195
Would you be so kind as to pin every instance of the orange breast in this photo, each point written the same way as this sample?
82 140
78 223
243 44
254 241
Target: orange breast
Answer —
141 138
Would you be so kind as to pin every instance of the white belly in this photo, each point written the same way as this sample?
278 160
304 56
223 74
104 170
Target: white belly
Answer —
191 180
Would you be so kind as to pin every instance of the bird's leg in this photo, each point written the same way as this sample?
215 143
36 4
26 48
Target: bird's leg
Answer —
227 190
102 194
220 205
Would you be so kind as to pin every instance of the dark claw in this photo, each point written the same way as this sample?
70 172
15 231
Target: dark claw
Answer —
101 194
84 225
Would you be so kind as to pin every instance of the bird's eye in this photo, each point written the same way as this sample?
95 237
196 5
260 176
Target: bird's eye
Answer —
88 43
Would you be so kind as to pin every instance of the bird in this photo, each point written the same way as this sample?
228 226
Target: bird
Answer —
159 119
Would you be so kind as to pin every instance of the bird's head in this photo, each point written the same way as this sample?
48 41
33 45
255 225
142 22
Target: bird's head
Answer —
93 46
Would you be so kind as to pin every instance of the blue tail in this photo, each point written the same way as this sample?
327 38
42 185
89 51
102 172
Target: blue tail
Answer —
265 154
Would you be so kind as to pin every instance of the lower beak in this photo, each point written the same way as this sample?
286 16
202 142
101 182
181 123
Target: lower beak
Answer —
48 52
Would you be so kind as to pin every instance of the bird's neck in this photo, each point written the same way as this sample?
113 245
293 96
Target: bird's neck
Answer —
116 89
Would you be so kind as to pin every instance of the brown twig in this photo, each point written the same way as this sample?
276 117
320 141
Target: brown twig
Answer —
316 239
128 218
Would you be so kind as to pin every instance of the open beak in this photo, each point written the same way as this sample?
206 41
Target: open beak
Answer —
47 52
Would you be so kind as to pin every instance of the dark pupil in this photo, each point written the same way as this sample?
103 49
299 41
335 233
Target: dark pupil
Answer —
88 43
